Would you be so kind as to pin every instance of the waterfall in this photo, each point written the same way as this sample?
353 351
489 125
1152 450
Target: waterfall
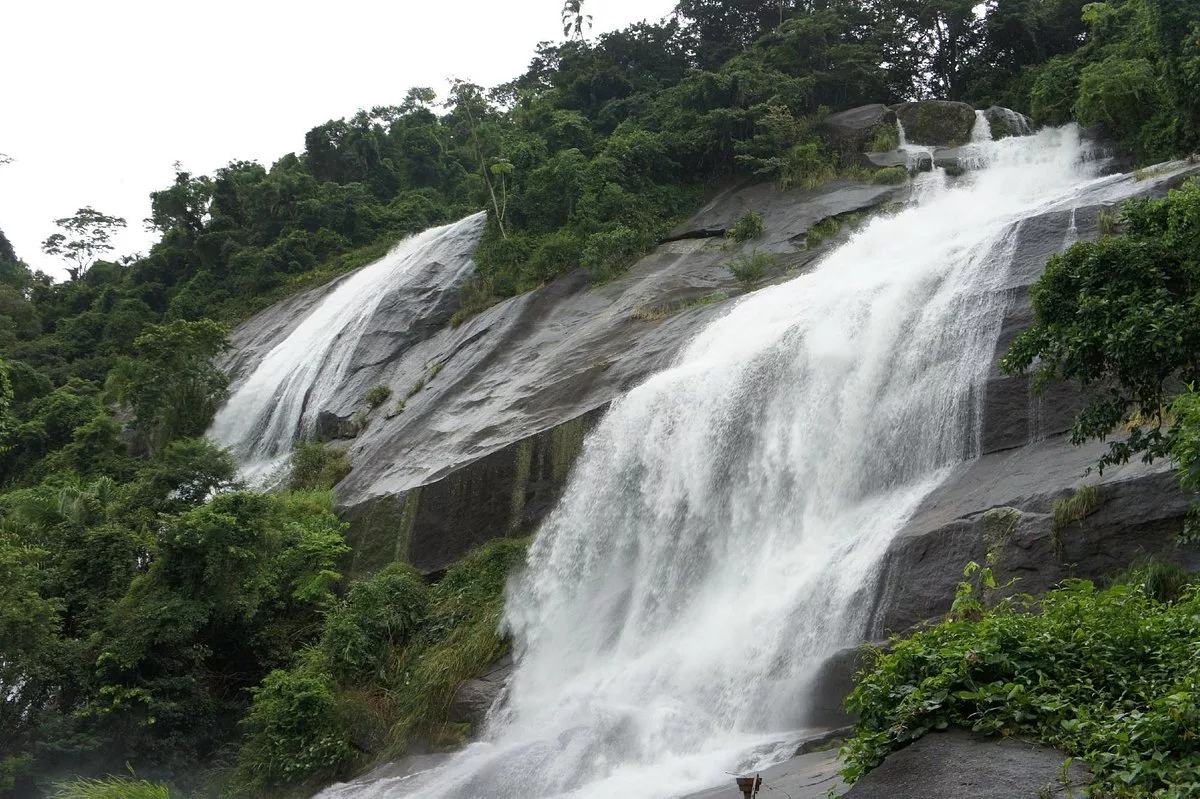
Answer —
982 131
308 370
723 528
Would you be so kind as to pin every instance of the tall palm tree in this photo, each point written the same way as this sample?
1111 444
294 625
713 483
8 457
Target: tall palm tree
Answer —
573 18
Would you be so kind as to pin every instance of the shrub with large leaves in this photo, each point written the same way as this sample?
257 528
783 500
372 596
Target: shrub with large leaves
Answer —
1110 676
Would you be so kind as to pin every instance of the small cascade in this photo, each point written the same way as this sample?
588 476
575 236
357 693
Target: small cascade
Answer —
918 159
309 369
982 131
1018 124
1072 232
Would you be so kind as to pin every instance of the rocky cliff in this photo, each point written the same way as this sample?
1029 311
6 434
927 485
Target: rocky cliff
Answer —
496 409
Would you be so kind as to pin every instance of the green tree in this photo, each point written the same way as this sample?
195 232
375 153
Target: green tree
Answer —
574 19
1121 317
6 398
172 385
85 236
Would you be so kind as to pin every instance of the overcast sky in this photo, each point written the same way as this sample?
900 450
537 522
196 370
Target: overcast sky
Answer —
99 99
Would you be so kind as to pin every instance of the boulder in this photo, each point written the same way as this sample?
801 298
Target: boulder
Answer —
936 122
812 775
475 698
1002 504
1006 122
961 765
850 132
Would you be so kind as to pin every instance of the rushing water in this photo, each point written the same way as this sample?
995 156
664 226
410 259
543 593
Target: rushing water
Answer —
724 525
305 372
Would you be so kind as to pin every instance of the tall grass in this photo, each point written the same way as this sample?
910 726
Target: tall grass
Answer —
1074 508
111 788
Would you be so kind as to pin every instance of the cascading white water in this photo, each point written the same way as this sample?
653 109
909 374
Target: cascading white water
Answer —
724 525
302 374
982 131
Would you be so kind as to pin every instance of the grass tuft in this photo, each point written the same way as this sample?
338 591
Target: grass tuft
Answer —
1075 507
111 788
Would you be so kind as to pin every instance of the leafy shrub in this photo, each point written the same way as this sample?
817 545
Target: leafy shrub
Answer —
610 252
377 395
1185 450
1052 97
1108 676
379 613
749 268
885 139
890 176
750 226
806 165
556 254
461 636
314 466
1164 581
477 296
295 730
819 232
1119 94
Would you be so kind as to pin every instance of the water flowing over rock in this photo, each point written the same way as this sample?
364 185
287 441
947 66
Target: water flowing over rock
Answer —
283 390
724 526
1007 122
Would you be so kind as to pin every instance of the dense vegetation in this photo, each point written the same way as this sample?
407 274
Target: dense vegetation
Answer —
155 613
1110 676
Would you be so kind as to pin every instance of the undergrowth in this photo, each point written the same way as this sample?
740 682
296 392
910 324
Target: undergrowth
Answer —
1108 676
650 312
749 268
314 466
391 657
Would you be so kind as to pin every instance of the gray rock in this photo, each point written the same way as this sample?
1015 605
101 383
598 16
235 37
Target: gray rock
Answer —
849 132
808 776
889 158
1005 122
960 765
826 705
484 447
936 122
1140 512
475 698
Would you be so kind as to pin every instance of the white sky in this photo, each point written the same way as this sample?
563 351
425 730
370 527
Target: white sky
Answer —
99 99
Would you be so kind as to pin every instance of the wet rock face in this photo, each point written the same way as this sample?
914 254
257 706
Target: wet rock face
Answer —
936 122
475 697
495 410
957 764
1027 464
